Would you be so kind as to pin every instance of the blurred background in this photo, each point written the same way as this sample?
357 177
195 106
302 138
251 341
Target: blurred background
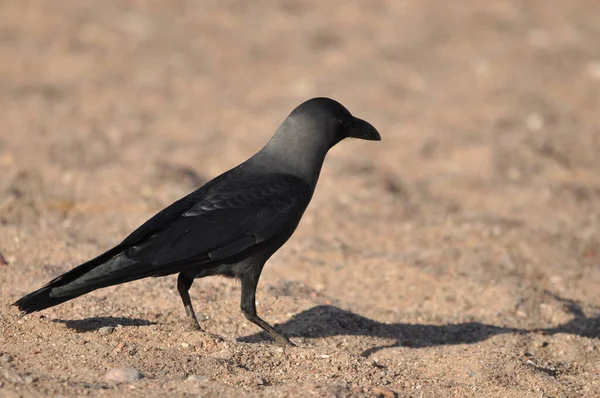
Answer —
480 206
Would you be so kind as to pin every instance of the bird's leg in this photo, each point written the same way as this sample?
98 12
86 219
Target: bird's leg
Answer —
184 283
248 306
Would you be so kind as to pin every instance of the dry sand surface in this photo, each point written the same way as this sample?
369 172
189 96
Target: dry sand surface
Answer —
459 257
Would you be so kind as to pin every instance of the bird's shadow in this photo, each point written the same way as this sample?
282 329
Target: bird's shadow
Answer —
580 325
327 321
92 324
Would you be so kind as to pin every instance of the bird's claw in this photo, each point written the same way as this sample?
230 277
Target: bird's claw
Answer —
283 341
195 326
214 336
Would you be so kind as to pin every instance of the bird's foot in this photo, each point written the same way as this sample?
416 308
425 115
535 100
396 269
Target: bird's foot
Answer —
216 337
282 341
194 325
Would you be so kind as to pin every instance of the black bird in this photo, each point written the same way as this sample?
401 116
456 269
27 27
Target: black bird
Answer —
230 226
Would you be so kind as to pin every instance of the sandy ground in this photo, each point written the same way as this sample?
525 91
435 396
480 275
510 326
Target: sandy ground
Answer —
459 257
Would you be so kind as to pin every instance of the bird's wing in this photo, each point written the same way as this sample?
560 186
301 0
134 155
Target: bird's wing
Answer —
223 220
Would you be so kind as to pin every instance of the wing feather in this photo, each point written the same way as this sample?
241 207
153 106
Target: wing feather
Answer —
222 221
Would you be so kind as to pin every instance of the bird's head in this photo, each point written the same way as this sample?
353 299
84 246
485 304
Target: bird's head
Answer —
331 121
300 144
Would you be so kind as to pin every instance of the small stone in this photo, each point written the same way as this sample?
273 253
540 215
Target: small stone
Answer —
593 69
185 345
197 378
384 392
201 317
13 376
29 379
5 358
3 261
521 314
535 121
261 381
123 375
106 330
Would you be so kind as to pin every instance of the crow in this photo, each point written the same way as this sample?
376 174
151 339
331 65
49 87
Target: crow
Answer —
230 226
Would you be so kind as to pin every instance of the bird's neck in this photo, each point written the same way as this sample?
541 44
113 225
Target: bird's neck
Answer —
296 153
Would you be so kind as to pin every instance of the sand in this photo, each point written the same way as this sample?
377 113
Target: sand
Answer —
459 257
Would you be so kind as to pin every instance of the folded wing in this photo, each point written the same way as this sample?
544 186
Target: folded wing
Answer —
229 218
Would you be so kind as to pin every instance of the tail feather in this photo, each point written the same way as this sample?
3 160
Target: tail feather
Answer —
71 284
108 269
39 300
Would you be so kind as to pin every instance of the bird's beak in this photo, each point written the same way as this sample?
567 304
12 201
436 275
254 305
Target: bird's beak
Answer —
363 130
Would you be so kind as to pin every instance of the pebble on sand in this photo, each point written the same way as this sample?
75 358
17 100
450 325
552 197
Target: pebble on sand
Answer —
123 374
12 376
261 381
383 392
5 358
197 378
106 330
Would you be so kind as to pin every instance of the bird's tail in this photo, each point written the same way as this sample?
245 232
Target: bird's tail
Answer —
108 269
39 300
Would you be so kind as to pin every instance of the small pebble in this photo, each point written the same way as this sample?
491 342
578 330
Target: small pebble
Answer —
13 376
3 260
197 378
185 345
534 121
201 317
261 381
29 379
123 374
383 392
106 330
594 70
5 359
